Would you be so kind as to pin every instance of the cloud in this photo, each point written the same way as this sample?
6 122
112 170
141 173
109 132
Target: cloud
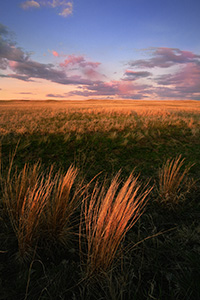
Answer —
87 68
23 68
3 30
20 77
55 96
133 75
165 58
185 82
120 89
67 11
66 7
55 3
72 60
31 69
80 61
26 93
182 83
55 53
30 4
8 49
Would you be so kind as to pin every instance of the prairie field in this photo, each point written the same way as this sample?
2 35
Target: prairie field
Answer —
99 199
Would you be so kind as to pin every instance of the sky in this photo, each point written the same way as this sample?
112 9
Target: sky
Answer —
100 49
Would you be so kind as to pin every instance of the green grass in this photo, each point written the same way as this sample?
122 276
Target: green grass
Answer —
82 241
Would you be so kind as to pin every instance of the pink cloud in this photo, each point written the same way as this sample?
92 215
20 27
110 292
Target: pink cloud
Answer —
30 4
187 78
183 84
66 7
165 57
134 75
72 60
12 64
67 11
88 68
118 89
55 53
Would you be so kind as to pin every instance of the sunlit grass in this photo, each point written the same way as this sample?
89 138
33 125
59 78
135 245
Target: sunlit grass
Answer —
39 205
94 116
174 182
61 206
24 197
107 216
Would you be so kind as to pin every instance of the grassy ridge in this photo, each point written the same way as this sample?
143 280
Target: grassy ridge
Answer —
77 242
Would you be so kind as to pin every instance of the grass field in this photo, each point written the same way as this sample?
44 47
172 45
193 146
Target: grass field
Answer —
100 200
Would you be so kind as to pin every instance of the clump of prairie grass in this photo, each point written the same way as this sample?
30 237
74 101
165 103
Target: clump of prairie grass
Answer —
24 197
36 202
106 217
174 182
61 205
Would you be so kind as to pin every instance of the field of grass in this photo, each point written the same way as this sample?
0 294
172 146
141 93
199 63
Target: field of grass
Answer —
100 200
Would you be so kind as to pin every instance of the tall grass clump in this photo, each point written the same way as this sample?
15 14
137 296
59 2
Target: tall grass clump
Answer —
38 204
61 206
174 182
24 196
105 219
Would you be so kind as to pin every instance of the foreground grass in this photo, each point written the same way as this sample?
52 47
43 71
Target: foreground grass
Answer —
158 258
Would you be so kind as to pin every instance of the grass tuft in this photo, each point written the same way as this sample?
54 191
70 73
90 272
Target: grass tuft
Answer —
24 197
38 205
61 205
174 182
107 216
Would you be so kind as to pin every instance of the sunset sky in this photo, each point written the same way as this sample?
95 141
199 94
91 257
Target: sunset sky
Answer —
92 49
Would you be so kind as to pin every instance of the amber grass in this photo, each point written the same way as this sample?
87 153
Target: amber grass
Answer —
106 217
174 182
24 197
61 205
104 116
38 204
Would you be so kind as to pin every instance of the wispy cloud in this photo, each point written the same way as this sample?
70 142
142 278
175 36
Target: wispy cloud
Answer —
67 11
119 89
55 53
183 84
30 4
88 68
26 93
65 7
55 96
134 75
165 58
19 62
20 77
3 30
28 70
180 80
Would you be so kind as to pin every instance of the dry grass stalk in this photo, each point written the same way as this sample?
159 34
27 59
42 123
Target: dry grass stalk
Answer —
61 205
172 178
36 202
107 216
24 196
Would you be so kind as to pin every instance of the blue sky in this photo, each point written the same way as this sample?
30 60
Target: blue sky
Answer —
122 49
